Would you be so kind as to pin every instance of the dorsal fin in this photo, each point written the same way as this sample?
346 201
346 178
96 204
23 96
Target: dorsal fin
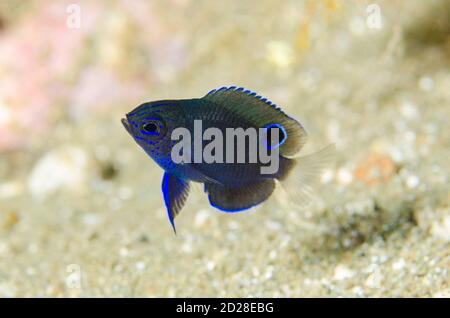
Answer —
261 112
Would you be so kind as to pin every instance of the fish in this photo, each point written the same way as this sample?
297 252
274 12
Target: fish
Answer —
231 185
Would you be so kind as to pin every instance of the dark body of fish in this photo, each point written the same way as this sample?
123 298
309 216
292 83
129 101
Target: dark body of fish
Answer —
231 187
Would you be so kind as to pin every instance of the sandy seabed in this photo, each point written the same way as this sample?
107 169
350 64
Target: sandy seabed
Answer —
81 210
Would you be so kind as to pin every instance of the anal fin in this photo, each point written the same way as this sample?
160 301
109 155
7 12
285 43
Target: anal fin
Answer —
239 199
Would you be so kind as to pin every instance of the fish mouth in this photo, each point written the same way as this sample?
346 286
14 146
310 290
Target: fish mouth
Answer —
126 124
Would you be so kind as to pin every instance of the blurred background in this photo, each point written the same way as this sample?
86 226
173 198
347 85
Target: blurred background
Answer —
81 210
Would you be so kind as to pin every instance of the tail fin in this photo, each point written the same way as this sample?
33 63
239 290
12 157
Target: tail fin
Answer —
300 183
286 167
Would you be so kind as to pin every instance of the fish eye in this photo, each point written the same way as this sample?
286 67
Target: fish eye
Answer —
151 128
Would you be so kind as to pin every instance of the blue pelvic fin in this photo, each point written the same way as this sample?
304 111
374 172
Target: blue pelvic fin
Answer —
239 198
175 192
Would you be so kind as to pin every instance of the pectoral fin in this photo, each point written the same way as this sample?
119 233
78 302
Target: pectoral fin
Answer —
175 193
239 199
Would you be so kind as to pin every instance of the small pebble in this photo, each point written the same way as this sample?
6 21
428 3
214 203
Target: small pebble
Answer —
409 111
279 54
124 252
399 264
10 189
374 280
64 167
327 176
210 265
375 168
358 290
357 26
441 228
344 176
91 219
140 266
201 217
342 272
412 181
125 193
426 83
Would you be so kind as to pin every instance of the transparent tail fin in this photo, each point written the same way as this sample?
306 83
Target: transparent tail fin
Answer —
300 187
